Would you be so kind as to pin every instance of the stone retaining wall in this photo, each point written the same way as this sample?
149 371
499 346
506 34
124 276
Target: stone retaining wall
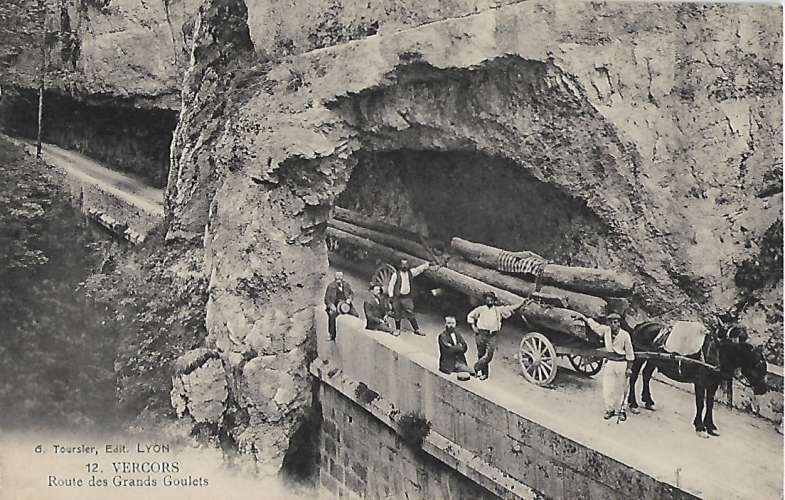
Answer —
500 445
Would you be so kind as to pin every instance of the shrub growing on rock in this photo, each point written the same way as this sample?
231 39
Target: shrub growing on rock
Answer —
413 428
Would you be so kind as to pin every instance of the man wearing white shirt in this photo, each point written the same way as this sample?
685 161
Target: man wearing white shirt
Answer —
615 373
400 290
486 321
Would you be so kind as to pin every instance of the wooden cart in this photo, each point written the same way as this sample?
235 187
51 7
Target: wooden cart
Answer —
538 351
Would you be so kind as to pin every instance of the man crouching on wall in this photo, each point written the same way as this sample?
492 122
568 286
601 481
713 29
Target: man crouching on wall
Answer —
452 351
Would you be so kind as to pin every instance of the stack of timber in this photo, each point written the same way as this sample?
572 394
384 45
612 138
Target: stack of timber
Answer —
582 303
393 244
554 318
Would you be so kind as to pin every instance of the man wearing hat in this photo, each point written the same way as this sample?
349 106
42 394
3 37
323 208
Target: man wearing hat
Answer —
615 373
486 321
452 351
401 291
338 300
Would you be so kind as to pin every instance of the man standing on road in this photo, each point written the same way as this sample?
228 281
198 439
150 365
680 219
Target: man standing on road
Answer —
486 321
338 300
452 351
401 291
376 309
615 374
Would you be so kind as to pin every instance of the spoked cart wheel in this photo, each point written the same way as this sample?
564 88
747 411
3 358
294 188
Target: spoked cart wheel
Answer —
586 365
382 276
537 358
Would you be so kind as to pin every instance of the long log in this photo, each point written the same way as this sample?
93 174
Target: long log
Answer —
358 219
390 240
599 282
553 318
584 304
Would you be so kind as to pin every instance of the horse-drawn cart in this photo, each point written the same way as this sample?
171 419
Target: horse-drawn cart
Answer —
553 314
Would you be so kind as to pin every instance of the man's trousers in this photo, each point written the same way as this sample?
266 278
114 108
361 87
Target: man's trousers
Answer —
332 316
486 347
614 384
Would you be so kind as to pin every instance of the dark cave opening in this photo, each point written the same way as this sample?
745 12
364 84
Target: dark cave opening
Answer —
442 194
125 138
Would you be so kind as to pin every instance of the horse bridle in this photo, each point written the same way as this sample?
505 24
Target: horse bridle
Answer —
742 379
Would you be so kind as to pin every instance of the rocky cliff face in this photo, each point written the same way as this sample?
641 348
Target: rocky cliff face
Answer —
102 51
655 127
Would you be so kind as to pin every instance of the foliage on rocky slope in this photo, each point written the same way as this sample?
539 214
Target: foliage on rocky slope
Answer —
90 328
156 296
56 345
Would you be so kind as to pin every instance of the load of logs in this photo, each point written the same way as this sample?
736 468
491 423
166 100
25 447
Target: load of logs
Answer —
471 269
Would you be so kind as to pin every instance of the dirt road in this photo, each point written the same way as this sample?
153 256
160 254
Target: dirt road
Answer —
123 185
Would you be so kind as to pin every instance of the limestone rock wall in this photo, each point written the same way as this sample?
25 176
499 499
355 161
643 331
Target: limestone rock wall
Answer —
663 119
107 50
281 28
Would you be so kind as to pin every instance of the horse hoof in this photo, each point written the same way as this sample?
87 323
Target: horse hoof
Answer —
649 406
713 432
702 434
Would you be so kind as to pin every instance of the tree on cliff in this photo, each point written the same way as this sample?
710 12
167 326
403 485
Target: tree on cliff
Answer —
31 27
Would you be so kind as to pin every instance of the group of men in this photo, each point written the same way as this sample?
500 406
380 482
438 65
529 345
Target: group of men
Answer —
486 322
398 301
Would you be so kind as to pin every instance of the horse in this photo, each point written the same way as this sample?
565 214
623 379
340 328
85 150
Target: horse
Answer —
726 355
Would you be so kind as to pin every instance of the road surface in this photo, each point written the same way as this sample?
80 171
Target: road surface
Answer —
123 185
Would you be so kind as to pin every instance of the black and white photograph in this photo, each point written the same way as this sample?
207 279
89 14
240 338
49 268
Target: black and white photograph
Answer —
391 249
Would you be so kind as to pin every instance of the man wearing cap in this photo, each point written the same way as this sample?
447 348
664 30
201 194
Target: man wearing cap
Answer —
452 351
338 300
376 309
486 321
400 290
615 373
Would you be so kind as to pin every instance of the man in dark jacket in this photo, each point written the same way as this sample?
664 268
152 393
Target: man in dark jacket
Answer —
338 300
452 351
376 310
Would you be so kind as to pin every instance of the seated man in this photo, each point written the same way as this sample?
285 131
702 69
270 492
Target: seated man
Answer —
376 310
338 300
452 351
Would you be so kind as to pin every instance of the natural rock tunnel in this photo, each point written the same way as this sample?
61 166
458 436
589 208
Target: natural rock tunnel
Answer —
477 197
520 131
130 139
505 153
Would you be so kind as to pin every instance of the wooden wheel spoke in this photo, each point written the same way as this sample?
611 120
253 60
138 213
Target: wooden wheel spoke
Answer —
586 365
537 358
